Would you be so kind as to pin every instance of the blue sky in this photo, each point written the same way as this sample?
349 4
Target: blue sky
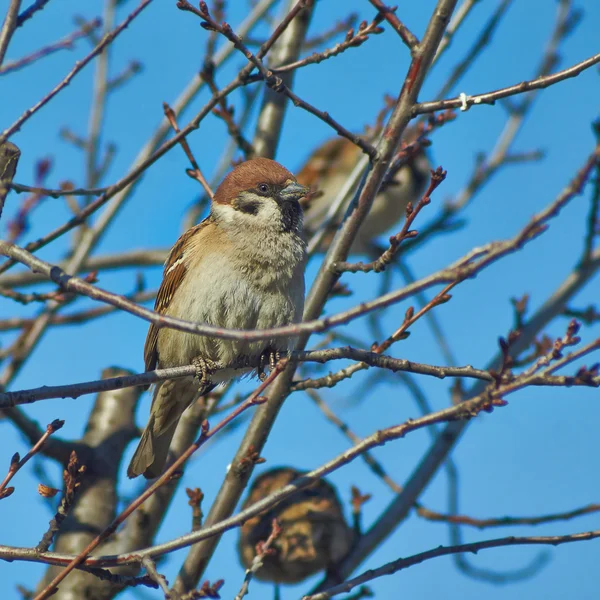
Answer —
536 456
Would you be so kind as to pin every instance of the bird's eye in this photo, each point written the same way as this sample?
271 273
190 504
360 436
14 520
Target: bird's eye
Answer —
263 188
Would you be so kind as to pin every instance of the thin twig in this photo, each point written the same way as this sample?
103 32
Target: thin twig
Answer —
464 102
475 547
195 172
72 481
506 521
18 463
389 14
159 579
366 358
262 550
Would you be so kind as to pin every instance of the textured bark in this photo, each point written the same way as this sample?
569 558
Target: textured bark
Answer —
109 430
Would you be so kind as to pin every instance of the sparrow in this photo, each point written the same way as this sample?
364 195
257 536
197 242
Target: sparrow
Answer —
314 533
326 171
241 268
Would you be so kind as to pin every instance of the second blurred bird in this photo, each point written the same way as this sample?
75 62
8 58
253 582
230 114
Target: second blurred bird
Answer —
328 168
315 535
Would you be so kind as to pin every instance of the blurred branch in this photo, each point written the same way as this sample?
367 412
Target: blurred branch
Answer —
74 318
19 224
99 97
340 27
56 193
375 466
133 68
457 20
104 262
55 448
474 52
79 65
507 521
8 28
29 12
64 43
589 315
593 220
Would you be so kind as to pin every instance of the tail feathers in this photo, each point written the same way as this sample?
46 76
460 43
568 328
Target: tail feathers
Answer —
151 454
171 398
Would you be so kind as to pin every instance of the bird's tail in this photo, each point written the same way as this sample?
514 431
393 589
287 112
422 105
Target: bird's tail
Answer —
171 398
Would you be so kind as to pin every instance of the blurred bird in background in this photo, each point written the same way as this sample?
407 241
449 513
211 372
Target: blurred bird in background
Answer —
314 533
329 167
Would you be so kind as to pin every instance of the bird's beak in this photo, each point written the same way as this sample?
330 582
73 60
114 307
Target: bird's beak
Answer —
293 192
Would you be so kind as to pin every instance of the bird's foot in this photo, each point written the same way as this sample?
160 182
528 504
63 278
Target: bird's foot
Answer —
269 357
204 369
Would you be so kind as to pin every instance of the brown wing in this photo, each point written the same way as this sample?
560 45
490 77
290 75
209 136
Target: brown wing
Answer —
174 271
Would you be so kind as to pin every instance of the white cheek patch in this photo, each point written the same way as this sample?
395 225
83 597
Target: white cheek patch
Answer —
224 212
268 212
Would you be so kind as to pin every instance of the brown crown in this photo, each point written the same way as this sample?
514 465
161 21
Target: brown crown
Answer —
248 175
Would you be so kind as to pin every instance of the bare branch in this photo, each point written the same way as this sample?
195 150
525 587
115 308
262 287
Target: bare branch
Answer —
475 547
17 463
464 102
389 14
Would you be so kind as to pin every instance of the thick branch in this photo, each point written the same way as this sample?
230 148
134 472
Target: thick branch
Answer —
263 420
286 50
8 28
109 430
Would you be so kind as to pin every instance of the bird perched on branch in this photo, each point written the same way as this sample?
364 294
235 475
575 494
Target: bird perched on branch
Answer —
240 268
327 170
314 533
